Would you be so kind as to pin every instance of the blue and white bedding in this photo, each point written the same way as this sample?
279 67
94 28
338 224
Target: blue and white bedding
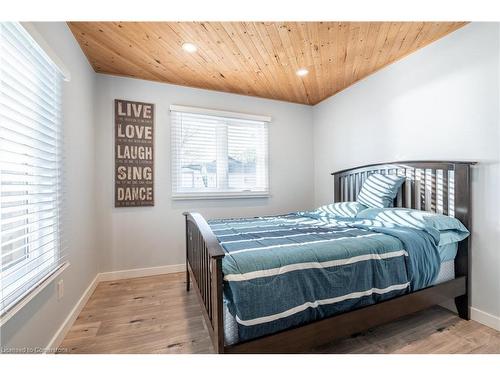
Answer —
285 271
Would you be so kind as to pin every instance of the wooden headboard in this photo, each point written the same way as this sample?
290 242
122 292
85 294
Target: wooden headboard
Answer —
438 186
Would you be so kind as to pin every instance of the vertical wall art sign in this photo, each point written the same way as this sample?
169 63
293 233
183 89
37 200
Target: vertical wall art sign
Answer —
134 154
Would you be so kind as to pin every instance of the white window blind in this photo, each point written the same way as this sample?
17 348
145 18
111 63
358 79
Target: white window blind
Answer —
218 154
30 166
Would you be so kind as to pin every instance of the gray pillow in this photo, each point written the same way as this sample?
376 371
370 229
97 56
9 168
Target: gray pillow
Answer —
379 190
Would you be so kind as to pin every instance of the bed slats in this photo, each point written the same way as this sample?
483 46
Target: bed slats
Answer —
199 262
427 187
204 268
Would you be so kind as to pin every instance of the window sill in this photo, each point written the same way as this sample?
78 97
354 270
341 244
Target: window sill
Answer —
198 196
33 293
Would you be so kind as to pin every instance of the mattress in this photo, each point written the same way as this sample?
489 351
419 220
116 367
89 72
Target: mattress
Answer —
446 273
289 270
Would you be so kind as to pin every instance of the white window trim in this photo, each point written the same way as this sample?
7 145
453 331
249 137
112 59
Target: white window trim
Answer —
31 29
222 194
216 112
32 293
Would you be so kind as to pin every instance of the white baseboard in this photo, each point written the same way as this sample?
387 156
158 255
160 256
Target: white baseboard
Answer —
485 318
70 319
57 339
141 272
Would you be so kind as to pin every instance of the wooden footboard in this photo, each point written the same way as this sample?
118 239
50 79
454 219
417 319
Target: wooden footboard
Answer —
204 268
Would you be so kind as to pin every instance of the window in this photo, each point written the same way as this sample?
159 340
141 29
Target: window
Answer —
218 154
30 165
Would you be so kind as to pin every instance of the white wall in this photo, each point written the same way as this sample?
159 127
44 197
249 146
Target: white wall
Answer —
440 103
35 325
154 236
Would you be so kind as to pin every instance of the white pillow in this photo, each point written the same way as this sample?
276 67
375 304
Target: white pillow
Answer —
341 209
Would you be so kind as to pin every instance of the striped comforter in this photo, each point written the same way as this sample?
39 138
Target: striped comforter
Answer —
289 270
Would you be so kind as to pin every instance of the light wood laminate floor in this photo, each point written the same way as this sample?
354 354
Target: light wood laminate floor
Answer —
156 315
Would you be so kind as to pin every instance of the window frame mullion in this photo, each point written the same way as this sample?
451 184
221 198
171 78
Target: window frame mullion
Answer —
222 162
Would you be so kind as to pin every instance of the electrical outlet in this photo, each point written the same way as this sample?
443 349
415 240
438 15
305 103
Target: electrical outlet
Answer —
60 289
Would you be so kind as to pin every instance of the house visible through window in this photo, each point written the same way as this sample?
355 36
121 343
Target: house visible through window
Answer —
218 154
30 165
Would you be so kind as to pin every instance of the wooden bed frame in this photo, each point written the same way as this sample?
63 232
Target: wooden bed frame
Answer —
436 186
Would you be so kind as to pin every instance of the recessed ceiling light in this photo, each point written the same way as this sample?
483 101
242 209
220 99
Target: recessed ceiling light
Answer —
189 47
302 72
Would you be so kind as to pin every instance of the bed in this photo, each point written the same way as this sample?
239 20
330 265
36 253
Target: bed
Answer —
266 284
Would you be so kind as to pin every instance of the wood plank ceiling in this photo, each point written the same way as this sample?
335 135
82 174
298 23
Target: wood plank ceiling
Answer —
254 58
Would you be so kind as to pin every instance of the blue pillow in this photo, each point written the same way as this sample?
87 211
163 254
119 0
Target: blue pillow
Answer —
449 229
379 190
340 209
